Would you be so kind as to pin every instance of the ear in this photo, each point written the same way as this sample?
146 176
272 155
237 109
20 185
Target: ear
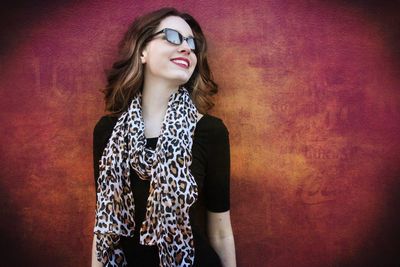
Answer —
143 57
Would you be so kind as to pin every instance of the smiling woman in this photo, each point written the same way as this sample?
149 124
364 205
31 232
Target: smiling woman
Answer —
161 163
159 53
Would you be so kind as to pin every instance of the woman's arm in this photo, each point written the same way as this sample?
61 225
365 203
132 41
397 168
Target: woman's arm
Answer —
95 263
221 237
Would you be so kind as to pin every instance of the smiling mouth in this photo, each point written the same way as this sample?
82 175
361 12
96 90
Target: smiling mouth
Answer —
181 62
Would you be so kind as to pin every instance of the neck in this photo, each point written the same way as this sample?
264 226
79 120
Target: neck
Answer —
155 97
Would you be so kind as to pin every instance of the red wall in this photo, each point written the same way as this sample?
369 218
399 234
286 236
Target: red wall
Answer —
308 89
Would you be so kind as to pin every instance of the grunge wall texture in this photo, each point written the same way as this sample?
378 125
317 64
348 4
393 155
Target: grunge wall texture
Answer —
310 93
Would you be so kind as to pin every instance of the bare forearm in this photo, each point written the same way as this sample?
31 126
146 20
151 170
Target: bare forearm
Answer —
221 238
95 263
225 248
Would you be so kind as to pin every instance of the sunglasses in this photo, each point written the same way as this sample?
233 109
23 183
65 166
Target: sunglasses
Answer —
175 38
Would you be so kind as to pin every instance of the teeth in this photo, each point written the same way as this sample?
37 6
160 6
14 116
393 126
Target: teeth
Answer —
181 62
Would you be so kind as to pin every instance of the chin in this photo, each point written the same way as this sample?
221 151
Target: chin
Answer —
182 79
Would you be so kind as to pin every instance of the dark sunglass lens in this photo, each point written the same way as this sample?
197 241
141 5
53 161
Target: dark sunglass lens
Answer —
173 36
192 43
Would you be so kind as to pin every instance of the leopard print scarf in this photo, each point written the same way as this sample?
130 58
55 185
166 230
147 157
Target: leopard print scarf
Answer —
172 187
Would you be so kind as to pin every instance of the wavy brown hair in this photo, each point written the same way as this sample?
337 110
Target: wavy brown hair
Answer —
126 76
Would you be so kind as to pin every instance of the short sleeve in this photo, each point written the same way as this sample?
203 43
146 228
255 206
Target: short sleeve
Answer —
217 180
101 134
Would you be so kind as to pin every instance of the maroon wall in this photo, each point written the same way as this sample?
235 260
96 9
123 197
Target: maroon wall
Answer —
308 89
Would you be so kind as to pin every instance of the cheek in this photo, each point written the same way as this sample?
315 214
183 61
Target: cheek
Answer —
158 55
155 64
194 62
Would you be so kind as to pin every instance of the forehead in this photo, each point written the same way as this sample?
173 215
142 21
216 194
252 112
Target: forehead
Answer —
176 23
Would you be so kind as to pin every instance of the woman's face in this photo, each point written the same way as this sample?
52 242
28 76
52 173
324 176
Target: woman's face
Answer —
163 60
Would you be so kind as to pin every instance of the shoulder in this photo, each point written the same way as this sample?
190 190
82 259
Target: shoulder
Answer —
104 125
214 127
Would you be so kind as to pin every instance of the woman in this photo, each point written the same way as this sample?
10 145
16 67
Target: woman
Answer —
161 162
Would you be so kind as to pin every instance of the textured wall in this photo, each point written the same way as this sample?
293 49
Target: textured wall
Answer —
308 89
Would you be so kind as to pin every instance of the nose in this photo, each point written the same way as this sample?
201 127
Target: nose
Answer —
184 47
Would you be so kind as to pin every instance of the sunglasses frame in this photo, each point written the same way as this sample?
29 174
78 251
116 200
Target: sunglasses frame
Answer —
180 36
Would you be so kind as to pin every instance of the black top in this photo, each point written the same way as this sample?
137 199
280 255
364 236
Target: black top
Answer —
211 170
